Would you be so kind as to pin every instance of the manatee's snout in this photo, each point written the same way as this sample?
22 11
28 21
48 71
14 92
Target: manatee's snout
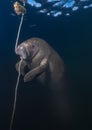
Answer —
28 49
21 51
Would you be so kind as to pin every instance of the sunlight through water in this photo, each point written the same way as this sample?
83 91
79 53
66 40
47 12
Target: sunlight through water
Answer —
59 7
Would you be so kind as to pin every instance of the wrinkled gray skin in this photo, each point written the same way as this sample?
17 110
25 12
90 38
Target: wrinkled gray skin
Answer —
48 68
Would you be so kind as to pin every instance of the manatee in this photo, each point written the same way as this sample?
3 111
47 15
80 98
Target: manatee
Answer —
45 65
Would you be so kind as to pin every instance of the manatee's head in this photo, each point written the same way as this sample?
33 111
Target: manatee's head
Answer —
28 49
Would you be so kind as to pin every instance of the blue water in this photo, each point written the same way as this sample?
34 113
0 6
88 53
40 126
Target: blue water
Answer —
56 8
71 37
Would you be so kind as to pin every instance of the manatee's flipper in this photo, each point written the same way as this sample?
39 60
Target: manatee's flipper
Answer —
36 71
22 67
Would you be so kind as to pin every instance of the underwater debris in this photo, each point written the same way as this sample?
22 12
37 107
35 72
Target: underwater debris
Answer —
18 8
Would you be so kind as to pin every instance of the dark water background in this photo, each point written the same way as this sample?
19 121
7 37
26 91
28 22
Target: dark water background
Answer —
71 37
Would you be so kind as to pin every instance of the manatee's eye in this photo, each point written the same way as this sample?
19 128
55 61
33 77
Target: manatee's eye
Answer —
33 45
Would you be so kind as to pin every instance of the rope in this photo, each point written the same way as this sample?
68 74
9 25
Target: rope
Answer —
20 25
15 97
18 78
